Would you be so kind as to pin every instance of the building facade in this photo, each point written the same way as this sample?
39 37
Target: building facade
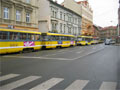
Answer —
19 14
109 32
87 18
83 9
72 5
118 38
96 31
55 18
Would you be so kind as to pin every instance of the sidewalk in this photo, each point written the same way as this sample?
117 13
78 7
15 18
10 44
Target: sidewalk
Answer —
117 44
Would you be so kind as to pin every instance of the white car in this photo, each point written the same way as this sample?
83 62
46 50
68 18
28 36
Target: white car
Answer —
107 41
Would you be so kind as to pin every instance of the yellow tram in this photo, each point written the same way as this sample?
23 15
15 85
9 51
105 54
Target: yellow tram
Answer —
16 41
95 40
19 41
54 40
84 40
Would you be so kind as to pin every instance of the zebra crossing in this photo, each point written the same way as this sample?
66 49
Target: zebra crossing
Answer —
46 85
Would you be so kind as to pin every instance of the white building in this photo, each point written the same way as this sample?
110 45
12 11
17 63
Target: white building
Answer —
82 8
56 18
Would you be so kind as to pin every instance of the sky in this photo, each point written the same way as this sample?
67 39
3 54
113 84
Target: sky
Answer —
105 12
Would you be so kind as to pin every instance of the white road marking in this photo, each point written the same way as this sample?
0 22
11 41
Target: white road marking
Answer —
39 57
77 85
108 86
51 55
48 84
19 83
87 54
2 78
61 50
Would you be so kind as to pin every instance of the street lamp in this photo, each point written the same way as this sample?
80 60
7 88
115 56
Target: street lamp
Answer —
118 29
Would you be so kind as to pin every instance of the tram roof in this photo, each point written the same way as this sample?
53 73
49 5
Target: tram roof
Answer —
57 34
86 36
22 31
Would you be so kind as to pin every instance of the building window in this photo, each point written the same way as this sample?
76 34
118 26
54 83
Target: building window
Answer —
55 14
18 15
27 1
55 26
52 26
60 15
60 27
64 16
52 13
75 20
27 17
69 19
6 13
69 30
64 27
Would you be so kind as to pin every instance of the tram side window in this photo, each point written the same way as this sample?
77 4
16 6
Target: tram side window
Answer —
23 36
13 36
62 37
37 37
72 38
31 36
3 35
68 38
49 38
87 39
80 39
53 38
65 38
44 38
57 37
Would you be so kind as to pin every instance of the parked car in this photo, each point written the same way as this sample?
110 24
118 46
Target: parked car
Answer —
112 42
107 41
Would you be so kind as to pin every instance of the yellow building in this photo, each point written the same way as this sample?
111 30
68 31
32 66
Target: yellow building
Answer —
87 18
19 14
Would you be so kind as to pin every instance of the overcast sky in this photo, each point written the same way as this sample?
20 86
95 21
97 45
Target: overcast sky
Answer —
105 12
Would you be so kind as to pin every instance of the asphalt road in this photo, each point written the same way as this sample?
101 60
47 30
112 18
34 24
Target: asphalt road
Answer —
95 67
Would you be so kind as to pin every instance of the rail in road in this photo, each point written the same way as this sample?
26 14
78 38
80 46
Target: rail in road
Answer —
75 53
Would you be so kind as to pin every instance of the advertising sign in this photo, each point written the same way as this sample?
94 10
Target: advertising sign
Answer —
29 43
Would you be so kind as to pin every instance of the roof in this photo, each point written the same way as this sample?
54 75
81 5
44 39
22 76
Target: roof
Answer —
85 4
109 27
79 2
